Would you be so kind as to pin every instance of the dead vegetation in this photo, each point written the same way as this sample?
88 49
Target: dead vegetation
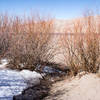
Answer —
81 49
26 42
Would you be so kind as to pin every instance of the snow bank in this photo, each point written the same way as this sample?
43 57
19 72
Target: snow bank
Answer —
31 77
14 82
11 83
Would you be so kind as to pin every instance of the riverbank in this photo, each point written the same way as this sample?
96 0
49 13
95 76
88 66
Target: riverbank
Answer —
85 87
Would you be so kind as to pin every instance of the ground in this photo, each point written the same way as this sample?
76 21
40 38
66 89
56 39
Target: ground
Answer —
11 83
86 87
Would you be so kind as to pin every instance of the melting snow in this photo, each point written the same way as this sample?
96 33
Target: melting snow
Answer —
3 64
13 82
31 77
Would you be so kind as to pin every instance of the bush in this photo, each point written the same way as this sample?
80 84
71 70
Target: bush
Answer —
82 47
31 46
5 37
4 44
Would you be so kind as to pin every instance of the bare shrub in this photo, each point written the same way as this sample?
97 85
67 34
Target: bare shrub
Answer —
33 45
4 35
4 44
82 47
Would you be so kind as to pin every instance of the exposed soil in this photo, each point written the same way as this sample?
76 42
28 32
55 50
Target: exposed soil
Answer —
85 87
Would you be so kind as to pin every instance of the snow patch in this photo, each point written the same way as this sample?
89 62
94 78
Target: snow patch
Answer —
3 64
31 77
14 82
11 83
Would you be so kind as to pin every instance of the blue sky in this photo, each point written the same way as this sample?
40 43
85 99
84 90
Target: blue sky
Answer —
61 9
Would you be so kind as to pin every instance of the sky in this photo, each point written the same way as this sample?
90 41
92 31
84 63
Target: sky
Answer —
60 9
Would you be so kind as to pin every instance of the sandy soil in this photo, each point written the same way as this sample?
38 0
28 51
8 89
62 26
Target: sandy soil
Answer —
86 87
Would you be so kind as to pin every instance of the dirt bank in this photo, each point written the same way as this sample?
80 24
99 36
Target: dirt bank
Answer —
86 87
